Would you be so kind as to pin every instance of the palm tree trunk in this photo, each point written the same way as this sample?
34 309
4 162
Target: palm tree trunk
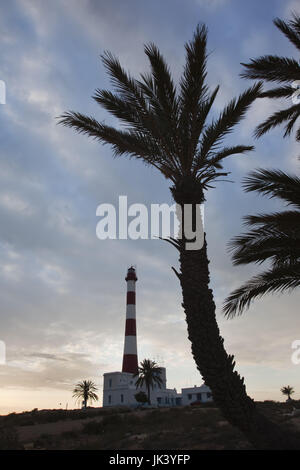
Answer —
148 390
85 400
213 362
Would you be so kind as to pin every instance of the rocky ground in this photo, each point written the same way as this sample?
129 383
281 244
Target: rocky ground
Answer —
184 428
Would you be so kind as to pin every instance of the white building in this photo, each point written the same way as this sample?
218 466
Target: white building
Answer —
119 388
196 394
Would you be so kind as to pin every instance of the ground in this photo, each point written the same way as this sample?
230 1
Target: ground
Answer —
182 428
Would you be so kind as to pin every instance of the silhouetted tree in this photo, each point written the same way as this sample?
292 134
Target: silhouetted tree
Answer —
85 390
284 71
288 391
148 374
166 128
274 237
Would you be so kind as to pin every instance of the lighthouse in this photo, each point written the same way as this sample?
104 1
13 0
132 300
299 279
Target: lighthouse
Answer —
119 388
130 358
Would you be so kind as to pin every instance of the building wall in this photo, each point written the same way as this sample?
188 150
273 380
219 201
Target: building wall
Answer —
119 390
192 394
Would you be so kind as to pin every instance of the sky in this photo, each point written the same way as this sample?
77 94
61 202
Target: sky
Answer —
62 290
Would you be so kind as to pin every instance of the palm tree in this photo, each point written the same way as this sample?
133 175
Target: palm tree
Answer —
85 390
274 237
166 128
148 374
287 391
284 71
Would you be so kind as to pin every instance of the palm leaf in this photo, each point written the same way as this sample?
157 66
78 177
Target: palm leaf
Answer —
274 183
290 30
279 92
277 279
231 115
285 70
194 100
272 69
290 114
275 237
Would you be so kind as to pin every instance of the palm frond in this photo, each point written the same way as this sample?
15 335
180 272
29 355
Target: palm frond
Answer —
279 92
161 93
164 128
272 69
162 81
148 374
232 115
152 102
214 160
290 114
274 237
132 143
123 83
279 243
194 99
274 183
120 108
290 30
274 221
295 23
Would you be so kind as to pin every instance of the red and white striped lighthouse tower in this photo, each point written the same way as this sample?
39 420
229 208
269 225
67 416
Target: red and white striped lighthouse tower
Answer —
130 359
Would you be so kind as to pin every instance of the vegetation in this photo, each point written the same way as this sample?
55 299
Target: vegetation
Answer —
202 427
148 374
288 391
9 439
284 71
141 397
85 391
274 237
167 129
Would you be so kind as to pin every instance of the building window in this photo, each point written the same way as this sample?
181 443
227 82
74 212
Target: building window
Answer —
122 397
209 395
190 396
158 400
109 399
110 382
199 396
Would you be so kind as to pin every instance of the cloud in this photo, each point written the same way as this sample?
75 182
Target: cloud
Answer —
211 4
290 7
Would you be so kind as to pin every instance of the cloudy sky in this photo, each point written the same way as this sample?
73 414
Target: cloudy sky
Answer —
62 290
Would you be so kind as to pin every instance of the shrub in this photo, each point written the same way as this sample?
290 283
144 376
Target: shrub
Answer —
9 439
141 397
93 427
